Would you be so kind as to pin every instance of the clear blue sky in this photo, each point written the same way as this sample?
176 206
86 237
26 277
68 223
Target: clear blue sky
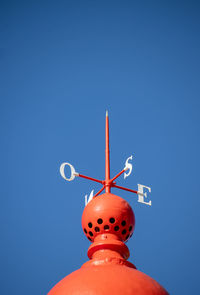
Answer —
62 64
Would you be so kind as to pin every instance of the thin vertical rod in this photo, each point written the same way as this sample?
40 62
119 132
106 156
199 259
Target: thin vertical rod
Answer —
107 169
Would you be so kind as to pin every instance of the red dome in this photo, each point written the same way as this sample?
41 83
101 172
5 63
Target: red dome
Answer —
108 213
110 278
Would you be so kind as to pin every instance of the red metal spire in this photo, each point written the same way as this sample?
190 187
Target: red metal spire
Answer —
107 158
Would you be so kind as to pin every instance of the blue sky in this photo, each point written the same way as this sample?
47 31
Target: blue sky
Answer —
62 64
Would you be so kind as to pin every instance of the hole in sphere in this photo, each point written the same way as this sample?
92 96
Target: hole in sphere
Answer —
123 223
85 230
90 233
90 224
123 232
89 239
112 220
97 229
130 228
106 227
100 221
116 228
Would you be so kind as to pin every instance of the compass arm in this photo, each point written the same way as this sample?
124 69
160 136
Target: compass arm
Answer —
99 192
90 178
127 189
120 173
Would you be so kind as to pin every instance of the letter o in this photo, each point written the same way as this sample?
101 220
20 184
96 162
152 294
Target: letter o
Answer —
62 171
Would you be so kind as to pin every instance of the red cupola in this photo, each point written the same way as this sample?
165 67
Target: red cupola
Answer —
108 222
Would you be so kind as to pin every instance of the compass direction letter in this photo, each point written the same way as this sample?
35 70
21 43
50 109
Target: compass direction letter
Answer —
128 166
141 194
73 172
90 197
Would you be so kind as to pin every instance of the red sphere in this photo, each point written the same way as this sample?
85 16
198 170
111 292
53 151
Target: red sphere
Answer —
108 213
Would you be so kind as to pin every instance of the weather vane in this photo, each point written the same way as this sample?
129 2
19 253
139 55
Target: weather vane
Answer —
108 182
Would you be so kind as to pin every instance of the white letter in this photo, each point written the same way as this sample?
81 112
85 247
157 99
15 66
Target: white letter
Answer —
73 172
141 194
128 166
90 197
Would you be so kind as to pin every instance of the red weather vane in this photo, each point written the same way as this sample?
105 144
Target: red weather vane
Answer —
108 182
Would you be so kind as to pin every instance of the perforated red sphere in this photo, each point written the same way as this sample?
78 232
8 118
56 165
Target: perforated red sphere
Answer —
108 213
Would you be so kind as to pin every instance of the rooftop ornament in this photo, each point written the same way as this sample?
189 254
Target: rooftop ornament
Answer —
108 222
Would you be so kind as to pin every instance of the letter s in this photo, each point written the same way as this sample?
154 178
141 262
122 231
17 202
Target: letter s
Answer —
128 166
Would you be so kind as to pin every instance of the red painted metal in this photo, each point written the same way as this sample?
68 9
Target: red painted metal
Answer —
125 189
120 173
99 192
108 221
90 178
112 276
107 164
108 272
107 183
108 214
